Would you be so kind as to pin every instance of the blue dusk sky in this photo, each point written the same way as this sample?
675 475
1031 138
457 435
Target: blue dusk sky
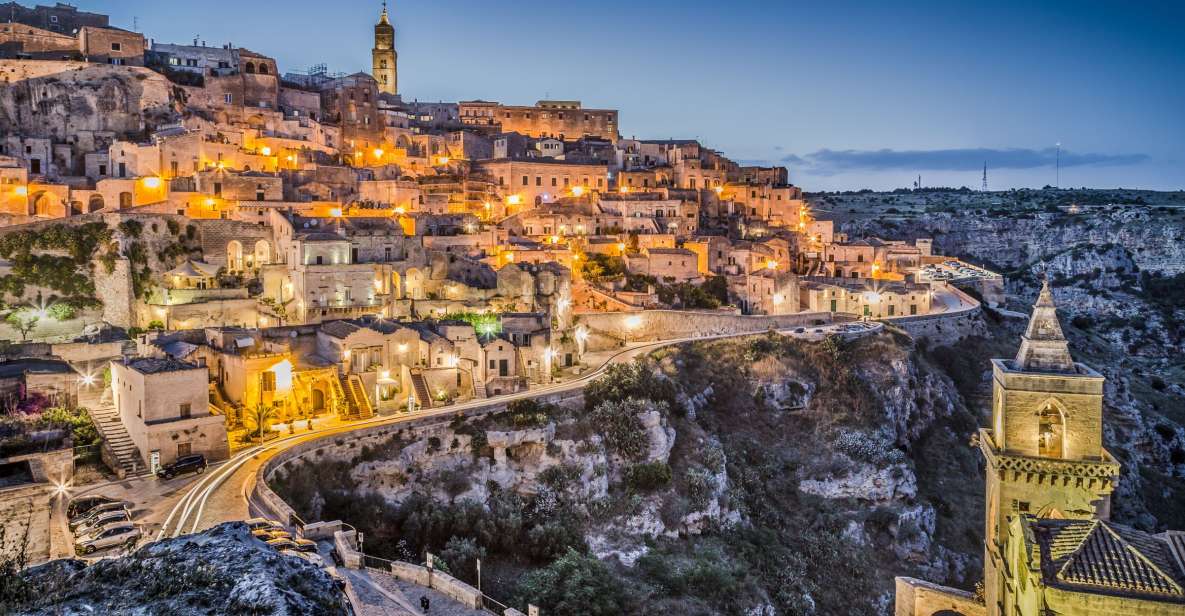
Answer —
848 94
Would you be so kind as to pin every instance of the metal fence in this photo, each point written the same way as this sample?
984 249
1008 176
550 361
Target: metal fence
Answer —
88 454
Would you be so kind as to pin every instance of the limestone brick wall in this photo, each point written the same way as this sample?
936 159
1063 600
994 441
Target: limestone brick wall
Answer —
205 435
609 329
114 289
52 466
919 598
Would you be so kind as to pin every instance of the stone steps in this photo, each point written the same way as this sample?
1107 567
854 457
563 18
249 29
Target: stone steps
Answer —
127 455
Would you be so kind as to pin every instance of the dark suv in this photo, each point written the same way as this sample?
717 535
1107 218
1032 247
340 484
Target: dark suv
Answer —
195 463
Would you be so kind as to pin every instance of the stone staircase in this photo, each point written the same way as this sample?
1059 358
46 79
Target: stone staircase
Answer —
420 385
117 441
356 400
479 389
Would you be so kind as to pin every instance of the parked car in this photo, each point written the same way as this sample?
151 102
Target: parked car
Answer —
82 504
264 524
195 463
266 534
95 512
283 544
121 533
102 521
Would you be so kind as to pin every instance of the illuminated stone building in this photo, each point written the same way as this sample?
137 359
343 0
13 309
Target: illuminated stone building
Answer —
1049 547
386 72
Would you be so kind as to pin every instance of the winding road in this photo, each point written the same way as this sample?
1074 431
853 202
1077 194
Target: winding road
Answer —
223 493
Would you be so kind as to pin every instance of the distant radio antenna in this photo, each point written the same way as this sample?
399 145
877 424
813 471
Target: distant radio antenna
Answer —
985 188
1057 178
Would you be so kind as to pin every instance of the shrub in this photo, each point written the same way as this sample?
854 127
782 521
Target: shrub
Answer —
621 428
648 477
461 554
633 380
574 585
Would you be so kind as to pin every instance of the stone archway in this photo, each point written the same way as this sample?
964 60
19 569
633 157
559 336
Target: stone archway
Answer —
317 400
396 286
234 256
95 203
39 204
414 284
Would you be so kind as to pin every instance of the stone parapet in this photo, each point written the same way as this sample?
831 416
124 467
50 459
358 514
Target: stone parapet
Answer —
1103 473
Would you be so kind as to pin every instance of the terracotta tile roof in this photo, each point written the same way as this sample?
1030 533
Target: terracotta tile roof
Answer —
1105 557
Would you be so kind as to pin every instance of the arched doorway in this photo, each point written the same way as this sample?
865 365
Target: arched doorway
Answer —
39 205
95 203
125 200
414 284
396 286
318 401
263 253
234 256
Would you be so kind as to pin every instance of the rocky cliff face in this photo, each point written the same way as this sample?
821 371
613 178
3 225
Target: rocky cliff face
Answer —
766 464
220 571
122 100
1116 261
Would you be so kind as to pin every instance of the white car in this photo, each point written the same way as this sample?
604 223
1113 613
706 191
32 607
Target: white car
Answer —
102 521
94 513
119 533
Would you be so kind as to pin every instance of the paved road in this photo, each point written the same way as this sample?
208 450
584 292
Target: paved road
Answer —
223 493
191 504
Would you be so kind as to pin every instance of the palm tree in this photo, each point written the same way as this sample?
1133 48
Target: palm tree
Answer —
261 415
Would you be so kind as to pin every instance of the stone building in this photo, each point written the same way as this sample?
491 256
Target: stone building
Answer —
563 120
386 69
164 405
527 182
1048 545
60 17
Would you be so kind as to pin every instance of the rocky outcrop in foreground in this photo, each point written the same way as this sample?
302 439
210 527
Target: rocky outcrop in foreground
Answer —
218 572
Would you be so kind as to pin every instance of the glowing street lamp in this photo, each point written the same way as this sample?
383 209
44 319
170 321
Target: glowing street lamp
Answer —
514 200
771 264
577 191
22 191
378 152
266 151
152 182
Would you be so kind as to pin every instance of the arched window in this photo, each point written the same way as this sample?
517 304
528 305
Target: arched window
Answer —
1051 432
125 200
250 68
262 68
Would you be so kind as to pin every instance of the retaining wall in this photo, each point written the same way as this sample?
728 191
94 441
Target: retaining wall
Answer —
608 330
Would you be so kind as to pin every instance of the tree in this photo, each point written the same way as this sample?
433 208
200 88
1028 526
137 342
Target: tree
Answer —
260 416
24 325
462 555
574 584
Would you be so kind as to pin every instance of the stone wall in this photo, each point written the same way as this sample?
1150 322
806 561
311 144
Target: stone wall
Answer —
55 466
919 598
114 290
609 330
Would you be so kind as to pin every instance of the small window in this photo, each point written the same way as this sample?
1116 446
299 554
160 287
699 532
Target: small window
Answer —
116 47
186 410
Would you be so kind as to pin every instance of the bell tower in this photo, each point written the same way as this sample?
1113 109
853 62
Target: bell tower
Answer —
1044 450
385 69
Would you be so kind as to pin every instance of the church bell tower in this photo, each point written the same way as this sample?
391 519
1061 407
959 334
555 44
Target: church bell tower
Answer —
1044 450
386 71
